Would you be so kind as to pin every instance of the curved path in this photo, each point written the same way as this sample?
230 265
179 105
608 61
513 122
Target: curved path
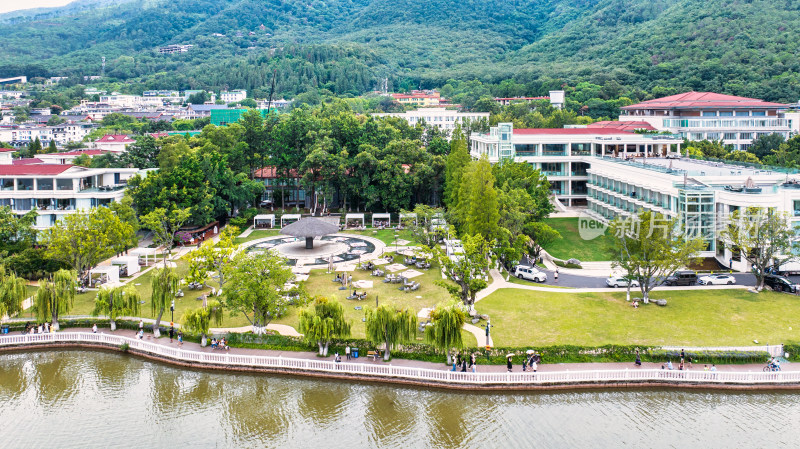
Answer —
411 371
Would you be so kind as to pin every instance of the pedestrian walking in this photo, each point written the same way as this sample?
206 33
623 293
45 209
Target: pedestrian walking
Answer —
555 275
473 362
534 365
94 328
347 352
180 339
509 365
638 361
171 332
141 325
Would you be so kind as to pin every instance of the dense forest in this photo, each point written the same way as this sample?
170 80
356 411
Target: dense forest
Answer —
653 47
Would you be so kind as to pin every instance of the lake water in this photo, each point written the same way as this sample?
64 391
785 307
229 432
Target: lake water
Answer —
88 399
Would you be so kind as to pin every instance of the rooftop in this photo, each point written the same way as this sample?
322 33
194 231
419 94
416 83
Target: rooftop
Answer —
695 100
571 131
625 126
121 138
27 161
34 170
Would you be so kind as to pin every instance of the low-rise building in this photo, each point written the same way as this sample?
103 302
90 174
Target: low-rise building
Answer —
564 155
422 98
444 119
174 48
55 190
734 120
233 96
114 142
67 157
701 194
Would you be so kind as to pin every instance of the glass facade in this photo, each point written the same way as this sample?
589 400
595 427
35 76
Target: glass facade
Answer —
696 215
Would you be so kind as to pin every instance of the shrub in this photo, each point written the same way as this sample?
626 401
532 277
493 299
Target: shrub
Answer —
563 264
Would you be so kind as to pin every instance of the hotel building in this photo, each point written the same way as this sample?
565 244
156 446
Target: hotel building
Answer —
55 190
735 120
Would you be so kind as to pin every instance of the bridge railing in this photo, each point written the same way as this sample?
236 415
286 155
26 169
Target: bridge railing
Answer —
410 373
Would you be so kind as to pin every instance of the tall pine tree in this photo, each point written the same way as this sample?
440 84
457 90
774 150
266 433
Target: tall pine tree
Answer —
478 210
457 161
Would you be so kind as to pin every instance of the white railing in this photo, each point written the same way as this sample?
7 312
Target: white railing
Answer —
409 373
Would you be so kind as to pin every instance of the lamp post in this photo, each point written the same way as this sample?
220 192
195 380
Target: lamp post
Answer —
172 311
396 238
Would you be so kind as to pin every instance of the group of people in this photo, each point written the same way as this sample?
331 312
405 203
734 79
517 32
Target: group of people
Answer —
460 363
219 344
530 363
43 328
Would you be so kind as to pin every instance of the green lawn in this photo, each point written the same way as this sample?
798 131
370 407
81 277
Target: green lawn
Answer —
319 283
384 235
255 235
696 317
571 245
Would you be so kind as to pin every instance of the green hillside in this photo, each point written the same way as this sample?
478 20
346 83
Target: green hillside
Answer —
347 46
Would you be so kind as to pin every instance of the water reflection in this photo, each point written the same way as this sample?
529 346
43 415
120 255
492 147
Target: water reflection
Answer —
90 399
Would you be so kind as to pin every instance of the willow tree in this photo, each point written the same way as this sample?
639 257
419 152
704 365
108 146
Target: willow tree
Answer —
199 320
116 302
445 330
391 326
55 296
322 322
163 286
12 293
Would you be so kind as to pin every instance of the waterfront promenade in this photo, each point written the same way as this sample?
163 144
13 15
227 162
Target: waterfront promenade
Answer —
412 371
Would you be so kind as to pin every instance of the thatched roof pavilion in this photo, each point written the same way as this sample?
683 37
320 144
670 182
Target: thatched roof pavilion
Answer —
309 228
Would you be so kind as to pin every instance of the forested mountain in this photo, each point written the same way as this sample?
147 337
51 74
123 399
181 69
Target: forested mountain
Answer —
743 47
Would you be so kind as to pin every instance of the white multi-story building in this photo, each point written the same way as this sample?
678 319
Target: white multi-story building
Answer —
57 190
701 194
565 154
704 115
131 101
233 96
442 118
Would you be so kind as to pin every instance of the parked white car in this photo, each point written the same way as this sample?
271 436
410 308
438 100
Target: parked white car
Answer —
717 279
616 282
530 273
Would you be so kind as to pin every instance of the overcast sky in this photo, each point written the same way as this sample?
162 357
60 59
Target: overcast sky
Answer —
12 5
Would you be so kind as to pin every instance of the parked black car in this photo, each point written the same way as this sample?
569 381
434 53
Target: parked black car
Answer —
681 278
779 283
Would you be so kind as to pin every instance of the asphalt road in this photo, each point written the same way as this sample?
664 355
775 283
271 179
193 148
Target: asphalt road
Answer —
579 281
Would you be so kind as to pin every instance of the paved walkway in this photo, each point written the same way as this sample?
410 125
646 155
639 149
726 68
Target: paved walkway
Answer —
282 329
480 334
482 367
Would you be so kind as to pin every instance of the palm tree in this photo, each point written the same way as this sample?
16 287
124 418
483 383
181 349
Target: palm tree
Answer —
56 296
390 326
164 286
117 301
12 293
323 322
199 320
445 330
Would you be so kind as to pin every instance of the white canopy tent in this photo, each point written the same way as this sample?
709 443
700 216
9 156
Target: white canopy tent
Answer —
387 217
406 217
144 252
260 221
354 217
109 274
131 263
291 218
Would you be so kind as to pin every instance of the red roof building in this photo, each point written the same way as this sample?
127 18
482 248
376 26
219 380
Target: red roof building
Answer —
33 170
733 120
626 126
114 142
703 101
27 161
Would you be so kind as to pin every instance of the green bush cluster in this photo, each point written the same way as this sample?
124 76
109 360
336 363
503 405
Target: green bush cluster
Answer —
563 264
721 357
